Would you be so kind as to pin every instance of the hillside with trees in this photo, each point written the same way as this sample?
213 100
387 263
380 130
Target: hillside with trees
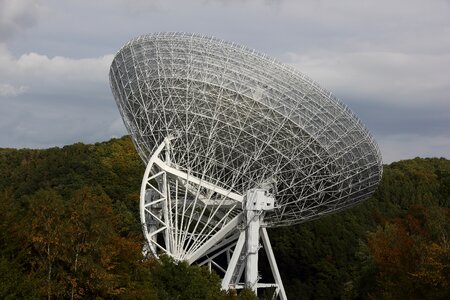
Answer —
69 228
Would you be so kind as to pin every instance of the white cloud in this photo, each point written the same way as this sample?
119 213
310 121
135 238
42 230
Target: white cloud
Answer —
63 68
66 100
388 60
32 66
7 89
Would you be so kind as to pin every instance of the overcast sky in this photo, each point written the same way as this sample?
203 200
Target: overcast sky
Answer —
388 60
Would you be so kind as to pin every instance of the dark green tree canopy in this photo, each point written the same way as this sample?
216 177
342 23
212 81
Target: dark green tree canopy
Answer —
69 228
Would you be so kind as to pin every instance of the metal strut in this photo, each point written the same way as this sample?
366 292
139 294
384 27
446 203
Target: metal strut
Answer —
245 255
197 219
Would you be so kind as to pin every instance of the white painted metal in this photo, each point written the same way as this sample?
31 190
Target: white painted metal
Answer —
215 239
213 121
161 213
180 208
226 281
252 235
242 119
255 205
273 264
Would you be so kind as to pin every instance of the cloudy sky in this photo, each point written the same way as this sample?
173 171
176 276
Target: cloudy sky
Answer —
388 60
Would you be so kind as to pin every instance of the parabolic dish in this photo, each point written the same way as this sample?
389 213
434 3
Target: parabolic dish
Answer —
240 119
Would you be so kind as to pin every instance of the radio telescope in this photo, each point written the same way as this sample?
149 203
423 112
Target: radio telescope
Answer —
235 142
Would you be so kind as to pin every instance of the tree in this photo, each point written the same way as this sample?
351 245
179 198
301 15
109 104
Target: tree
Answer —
396 256
14 282
47 237
411 263
434 269
181 281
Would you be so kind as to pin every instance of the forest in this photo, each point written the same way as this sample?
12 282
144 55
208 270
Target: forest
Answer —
69 229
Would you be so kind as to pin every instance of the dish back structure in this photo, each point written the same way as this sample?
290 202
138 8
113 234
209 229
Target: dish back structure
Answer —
218 124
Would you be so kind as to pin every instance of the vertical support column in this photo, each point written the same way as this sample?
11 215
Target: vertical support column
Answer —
256 202
253 213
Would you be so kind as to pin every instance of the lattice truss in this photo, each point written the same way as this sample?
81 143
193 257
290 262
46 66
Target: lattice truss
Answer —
235 119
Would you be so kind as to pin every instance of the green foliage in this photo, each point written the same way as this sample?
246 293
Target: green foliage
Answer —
412 261
247 294
113 165
14 284
74 249
46 237
69 228
330 258
181 281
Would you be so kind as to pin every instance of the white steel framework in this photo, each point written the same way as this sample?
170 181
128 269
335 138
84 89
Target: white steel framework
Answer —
198 219
213 121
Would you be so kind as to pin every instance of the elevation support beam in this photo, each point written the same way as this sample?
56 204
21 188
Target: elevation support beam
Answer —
226 281
245 255
216 238
273 264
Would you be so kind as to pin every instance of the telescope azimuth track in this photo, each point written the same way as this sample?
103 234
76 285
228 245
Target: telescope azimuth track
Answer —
218 124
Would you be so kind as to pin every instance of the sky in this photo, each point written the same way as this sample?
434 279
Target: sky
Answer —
388 60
